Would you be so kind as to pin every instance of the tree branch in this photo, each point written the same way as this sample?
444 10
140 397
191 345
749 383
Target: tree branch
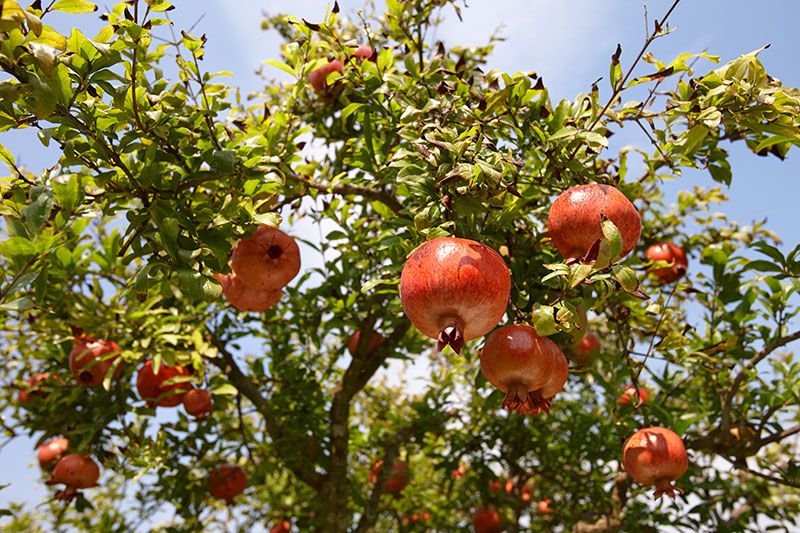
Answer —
275 428
749 365
356 376
349 189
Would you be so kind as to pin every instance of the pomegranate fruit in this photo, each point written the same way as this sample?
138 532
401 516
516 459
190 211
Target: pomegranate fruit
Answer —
197 402
76 471
588 347
575 218
526 494
91 359
487 520
246 297
318 78
51 450
154 387
284 526
629 394
397 479
544 506
416 518
669 252
364 51
268 259
655 456
226 482
34 389
375 340
530 369
454 290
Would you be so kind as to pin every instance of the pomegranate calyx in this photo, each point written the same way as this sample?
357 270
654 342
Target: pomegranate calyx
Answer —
666 488
67 494
450 336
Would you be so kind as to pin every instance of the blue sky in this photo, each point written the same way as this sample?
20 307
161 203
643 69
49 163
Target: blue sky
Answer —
568 42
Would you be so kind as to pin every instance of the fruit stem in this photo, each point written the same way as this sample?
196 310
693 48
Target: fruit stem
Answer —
666 487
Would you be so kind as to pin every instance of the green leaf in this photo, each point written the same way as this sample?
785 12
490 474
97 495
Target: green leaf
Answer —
350 109
578 273
225 390
612 234
38 211
626 278
544 320
7 156
280 65
17 247
74 6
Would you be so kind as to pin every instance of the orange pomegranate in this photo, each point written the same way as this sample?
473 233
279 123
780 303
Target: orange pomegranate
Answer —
656 456
159 387
399 476
91 359
246 297
226 482
197 402
669 252
51 450
375 340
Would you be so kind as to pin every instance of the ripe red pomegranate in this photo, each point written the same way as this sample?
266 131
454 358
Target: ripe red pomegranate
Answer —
374 341
487 520
197 402
397 480
51 450
283 526
35 388
669 252
76 471
458 472
629 395
318 78
364 51
544 506
91 359
574 221
226 482
526 495
529 368
245 297
656 456
154 387
454 290
416 518
267 259
588 346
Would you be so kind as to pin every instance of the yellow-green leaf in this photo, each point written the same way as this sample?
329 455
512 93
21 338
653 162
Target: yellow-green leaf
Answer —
74 6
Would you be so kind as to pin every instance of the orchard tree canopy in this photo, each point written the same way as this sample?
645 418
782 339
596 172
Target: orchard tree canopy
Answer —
167 189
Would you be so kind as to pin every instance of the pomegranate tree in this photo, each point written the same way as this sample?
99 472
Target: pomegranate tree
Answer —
91 359
160 387
51 450
454 290
530 369
396 481
197 402
669 252
226 482
655 456
574 222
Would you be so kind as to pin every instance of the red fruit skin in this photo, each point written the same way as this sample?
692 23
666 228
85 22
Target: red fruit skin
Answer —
558 377
520 363
487 520
655 456
456 283
667 251
226 482
375 340
268 259
152 386
51 450
281 527
76 471
544 506
629 395
526 495
364 51
34 390
197 402
91 359
245 297
318 78
398 478
589 345
576 215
